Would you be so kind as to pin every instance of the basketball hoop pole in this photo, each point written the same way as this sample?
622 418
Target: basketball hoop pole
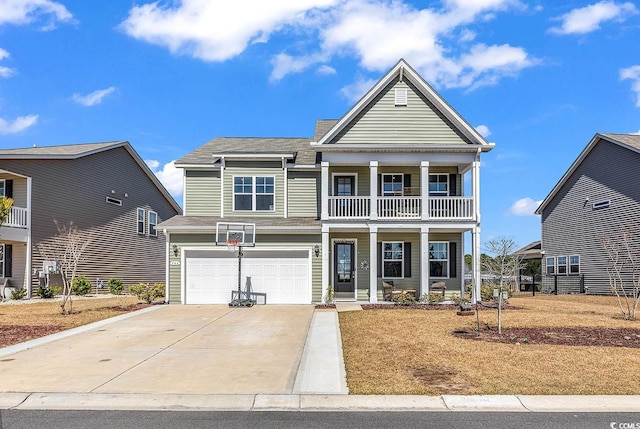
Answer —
239 272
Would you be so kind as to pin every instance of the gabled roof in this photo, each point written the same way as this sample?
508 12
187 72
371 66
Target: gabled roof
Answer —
298 149
627 141
404 71
531 250
75 151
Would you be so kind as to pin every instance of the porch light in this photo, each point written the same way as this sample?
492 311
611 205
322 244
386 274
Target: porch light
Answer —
175 250
316 250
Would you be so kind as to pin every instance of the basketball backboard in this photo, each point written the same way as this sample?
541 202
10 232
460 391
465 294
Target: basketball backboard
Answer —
244 233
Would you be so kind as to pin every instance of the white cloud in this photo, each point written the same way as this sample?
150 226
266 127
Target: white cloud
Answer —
19 124
169 176
632 73
483 130
524 207
94 97
326 70
357 89
5 72
587 19
20 12
376 32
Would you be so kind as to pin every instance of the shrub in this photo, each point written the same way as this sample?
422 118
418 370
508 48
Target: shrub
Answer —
18 293
115 286
44 292
432 298
486 291
330 297
147 292
81 285
404 298
459 300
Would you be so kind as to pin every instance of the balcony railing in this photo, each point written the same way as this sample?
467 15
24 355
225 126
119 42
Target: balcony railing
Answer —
17 218
406 207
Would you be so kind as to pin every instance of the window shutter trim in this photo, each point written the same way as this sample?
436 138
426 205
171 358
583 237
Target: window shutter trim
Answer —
452 185
453 261
407 259
8 259
379 259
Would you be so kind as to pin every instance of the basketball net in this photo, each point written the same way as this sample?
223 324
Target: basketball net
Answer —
232 245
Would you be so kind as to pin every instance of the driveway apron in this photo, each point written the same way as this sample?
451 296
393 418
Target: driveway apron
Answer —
186 349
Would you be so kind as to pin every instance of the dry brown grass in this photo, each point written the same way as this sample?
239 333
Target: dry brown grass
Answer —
414 352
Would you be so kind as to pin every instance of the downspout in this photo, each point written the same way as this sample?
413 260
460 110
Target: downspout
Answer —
28 267
167 265
222 166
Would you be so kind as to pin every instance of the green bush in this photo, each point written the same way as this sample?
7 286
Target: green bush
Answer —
404 298
432 298
147 292
486 291
81 285
18 293
115 286
44 292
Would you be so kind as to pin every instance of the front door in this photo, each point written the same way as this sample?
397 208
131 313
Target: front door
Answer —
344 267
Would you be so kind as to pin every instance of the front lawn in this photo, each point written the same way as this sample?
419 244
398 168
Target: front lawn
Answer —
412 351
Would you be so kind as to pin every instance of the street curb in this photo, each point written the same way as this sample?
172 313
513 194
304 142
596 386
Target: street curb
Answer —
321 403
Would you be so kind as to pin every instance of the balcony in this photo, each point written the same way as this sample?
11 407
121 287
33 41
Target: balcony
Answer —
402 208
17 218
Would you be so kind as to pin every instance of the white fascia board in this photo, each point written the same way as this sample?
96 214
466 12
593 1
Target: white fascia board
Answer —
398 158
253 155
213 165
473 148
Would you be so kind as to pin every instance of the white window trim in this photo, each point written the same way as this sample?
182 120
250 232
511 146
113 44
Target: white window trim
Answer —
569 265
138 221
382 184
448 260
393 260
565 265
439 194
254 194
333 182
553 265
154 224
3 187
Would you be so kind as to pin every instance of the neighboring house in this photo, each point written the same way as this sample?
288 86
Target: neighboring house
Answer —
598 196
378 195
531 260
105 188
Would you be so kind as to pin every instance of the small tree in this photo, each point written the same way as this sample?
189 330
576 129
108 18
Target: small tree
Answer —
68 249
504 266
5 209
623 254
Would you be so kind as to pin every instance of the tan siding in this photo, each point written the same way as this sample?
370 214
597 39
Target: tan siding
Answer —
202 193
384 123
19 259
304 194
19 189
253 169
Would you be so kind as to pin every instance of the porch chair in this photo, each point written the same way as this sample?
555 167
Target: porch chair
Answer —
388 290
438 288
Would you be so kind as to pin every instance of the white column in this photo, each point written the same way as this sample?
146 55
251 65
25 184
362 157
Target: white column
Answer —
324 189
167 249
475 254
373 190
222 167
373 264
424 189
28 273
325 261
476 190
424 260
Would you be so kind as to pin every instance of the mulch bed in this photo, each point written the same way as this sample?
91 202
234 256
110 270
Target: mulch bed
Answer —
576 336
14 334
438 307
128 308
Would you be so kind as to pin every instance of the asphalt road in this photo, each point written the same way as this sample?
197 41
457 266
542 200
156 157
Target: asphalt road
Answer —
19 419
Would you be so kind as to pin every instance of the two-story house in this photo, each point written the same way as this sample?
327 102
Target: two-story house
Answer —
103 188
387 192
597 198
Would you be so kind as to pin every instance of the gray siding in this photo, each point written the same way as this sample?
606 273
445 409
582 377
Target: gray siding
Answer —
202 193
570 226
384 123
304 194
75 190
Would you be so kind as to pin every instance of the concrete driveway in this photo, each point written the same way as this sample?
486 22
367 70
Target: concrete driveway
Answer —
204 349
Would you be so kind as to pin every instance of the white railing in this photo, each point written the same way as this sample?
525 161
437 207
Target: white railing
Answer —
17 218
349 207
451 207
399 208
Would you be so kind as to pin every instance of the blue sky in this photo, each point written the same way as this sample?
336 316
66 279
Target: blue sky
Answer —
538 78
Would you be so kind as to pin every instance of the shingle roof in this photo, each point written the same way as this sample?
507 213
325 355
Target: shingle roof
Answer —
304 154
322 126
203 222
64 151
632 140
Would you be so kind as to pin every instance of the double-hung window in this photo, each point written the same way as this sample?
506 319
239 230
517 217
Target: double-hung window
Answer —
550 264
439 259
562 265
392 185
141 220
574 264
392 260
153 221
254 193
438 185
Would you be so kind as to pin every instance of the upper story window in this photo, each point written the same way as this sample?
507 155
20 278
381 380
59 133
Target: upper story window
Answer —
550 265
439 259
392 260
2 188
153 221
141 219
574 264
254 193
562 265
392 185
438 185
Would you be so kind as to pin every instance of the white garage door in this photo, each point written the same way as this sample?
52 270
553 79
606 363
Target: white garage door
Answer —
284 276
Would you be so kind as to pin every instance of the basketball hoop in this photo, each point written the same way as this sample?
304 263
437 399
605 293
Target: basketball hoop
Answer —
232 245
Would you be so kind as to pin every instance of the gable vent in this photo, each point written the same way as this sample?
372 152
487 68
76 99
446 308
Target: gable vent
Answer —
401 96
114 201
601 204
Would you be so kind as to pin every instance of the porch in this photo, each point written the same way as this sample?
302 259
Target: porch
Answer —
402 208
17 218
